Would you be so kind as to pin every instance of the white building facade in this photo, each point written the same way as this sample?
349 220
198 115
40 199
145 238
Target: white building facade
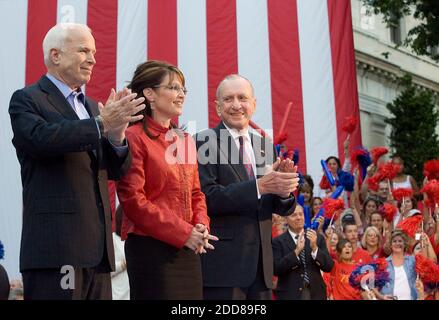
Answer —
379 64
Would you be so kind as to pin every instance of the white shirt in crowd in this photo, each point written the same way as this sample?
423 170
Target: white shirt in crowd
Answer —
119 278
401 288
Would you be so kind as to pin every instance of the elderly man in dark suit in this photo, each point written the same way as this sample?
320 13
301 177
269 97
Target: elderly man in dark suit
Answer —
68 149
243 185
299 256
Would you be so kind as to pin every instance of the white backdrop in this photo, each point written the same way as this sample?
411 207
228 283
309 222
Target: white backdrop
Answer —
12 62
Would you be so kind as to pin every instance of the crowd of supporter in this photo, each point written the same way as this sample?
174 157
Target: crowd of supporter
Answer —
387 222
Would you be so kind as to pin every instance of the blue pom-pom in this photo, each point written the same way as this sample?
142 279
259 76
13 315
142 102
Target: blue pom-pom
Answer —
346 180
278 146
301 179
2 251
364 161
328 173
307 217
337 192
314 224
301 199
380 279
296 157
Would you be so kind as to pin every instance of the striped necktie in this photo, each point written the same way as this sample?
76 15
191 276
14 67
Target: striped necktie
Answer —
243 159
303 261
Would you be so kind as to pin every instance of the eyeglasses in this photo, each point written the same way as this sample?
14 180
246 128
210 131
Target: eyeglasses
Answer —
174 87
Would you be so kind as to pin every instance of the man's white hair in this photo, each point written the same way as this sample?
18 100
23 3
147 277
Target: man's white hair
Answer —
55 38
232 77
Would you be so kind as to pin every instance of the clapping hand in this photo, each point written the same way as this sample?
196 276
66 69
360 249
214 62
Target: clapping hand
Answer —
281 179
312 237
119 110
286 165
300 244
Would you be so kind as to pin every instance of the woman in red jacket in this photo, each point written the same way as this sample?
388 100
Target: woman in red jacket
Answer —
165 219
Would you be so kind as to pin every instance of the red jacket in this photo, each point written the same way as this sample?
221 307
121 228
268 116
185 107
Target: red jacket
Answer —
160 195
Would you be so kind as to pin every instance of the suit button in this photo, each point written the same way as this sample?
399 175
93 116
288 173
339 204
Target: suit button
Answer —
300 289
301 275
100 204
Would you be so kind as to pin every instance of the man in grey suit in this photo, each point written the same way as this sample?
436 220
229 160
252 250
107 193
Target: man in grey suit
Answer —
244 184
68 149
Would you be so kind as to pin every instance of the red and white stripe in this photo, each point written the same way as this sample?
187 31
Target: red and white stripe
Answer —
291 50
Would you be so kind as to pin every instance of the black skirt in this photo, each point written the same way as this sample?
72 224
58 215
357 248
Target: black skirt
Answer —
157 270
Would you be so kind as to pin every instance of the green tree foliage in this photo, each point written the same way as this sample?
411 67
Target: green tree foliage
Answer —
413 127
424 36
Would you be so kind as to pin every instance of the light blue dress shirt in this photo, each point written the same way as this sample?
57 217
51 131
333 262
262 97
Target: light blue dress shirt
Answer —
76 100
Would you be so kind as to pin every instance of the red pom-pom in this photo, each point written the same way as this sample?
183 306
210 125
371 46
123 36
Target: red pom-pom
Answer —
389 170
372 184
381 263
324 183
280 138
410 225
333 207
431 169
401 193
373 181
388 211
377 152
432 190
350 124
429 204
427 269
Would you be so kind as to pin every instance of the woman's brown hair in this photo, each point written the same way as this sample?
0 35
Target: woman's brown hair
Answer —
414 203
402 235
340 245
151 74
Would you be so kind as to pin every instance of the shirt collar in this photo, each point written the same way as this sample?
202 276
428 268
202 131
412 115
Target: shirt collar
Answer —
65 89
237 133
294 235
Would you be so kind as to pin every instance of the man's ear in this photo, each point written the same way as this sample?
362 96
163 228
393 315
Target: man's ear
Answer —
218 108
55 56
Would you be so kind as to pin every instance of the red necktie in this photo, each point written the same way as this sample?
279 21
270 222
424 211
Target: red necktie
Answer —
243 158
